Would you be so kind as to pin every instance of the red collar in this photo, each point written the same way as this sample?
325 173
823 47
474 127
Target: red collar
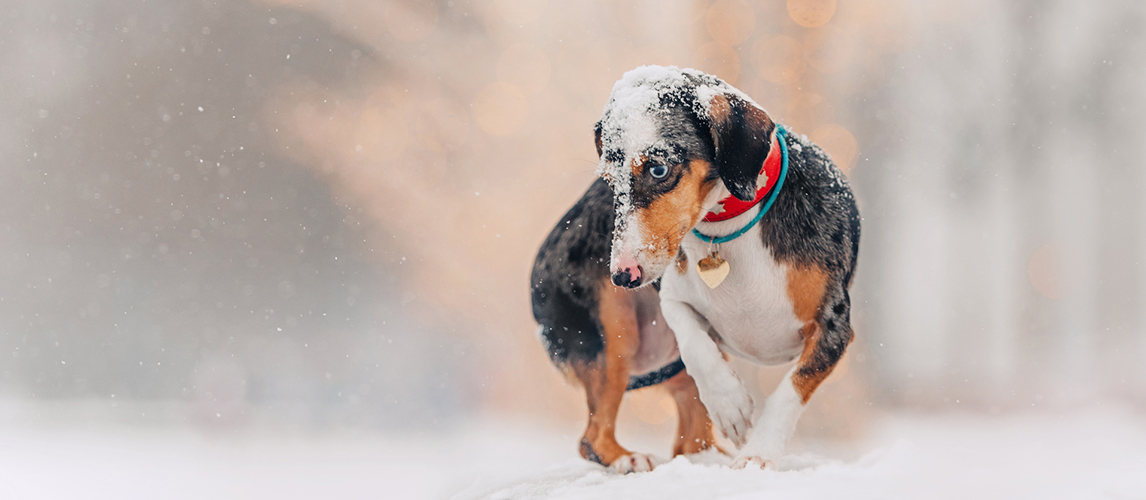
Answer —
769 173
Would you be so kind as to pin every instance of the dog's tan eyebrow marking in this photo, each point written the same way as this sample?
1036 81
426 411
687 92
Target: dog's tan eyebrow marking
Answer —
638 164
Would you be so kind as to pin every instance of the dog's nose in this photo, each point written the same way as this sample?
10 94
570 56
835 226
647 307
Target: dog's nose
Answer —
629 277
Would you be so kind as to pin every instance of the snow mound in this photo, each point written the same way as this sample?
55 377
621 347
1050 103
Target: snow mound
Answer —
1080 456
699 476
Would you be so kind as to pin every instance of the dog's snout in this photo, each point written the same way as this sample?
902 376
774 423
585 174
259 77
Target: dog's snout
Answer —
629 277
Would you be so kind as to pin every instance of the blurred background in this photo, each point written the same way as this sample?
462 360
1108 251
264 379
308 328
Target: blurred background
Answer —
309 215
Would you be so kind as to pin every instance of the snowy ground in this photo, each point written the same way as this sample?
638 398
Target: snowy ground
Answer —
915 457
1076 456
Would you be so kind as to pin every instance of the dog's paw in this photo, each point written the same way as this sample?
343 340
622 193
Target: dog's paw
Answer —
634 462
752 462
730 408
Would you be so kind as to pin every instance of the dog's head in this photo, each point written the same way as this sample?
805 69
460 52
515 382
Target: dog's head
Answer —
672 142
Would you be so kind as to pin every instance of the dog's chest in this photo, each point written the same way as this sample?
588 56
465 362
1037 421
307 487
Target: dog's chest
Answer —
751 310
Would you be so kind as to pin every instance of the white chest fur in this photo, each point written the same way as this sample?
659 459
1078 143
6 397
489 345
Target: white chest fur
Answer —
750 311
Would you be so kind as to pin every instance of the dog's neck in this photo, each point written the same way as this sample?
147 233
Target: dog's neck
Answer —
732 206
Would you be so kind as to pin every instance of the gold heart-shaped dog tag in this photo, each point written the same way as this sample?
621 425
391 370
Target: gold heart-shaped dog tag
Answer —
712 269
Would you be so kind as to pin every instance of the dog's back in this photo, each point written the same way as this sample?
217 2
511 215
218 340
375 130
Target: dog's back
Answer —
571 265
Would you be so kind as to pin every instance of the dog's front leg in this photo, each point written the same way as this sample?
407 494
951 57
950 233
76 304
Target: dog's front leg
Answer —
825 339
720 390
774 427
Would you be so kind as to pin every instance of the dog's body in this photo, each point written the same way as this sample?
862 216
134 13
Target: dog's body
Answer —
675 144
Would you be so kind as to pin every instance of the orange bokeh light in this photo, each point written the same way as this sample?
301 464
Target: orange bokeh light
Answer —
720 60
525 66
779 59
500 109
730 22
811 13
381 134
442 125
652 406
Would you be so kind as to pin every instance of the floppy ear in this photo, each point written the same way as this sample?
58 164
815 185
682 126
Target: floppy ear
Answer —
741 134
597 137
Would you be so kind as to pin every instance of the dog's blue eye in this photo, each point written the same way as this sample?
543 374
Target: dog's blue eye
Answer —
659 171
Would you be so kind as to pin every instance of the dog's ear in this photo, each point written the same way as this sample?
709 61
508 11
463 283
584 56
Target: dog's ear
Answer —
597 137
742 136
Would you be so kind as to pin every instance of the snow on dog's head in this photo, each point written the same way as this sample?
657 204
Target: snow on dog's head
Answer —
670 142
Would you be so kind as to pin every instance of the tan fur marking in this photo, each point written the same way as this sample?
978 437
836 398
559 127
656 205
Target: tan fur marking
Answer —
681 262
806 286
605 379
694 429
805 385
668 218
806 290
638 165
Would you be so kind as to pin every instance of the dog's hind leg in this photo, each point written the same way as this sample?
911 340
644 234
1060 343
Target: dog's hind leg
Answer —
603 395
694 429
605 379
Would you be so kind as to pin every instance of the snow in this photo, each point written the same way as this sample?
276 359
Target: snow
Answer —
1095 454
1098 455
629 123
629 120
116 462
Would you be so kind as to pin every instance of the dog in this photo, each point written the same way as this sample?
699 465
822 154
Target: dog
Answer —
748 236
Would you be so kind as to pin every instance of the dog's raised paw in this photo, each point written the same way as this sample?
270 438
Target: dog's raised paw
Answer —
752 462
634 462
730 408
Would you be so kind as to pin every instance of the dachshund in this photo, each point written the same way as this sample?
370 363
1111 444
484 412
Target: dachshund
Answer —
748 235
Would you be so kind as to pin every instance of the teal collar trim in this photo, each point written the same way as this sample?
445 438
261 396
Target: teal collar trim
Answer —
767 205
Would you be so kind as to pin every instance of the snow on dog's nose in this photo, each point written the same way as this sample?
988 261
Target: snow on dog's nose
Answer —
627 272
